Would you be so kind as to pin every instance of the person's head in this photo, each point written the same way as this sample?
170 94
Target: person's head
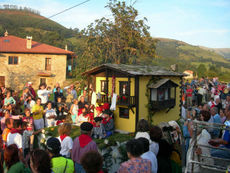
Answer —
72 87
26 90
142 126
188 86
145 143
57 85
205 115
18 124
38 101
222 113
65 129
134 148
82 99
29 97
92 162
42 86
75 101
206 107
7 114
69 90
214 111
9 123
49 105
8 94
53 146
40 161
155 133
11 155
217 100
24 125
84 92
59 99
27 112
86 128
98 120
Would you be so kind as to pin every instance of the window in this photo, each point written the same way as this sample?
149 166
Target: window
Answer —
42 81
13 60
103 86
124 113
123 88
48 64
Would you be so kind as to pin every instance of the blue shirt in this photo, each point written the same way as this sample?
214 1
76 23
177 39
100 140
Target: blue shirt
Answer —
226 138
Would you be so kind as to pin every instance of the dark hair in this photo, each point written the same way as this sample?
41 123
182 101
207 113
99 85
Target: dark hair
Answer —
92 162
134 147
142 126
17 123
38 99
205 114
155 133
7 122
165 149
11 155
41 161
145 143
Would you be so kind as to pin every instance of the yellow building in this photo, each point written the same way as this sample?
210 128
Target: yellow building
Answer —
148 92
24 60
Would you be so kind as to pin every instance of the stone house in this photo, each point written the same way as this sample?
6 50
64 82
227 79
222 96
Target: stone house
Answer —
24 60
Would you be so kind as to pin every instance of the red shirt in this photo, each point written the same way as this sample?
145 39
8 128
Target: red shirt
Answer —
189 92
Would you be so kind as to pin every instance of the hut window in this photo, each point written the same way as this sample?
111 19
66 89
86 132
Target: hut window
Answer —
103 86
124 113
123 88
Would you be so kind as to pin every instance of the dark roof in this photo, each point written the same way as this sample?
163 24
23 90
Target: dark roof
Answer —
13 44
135 70
161 83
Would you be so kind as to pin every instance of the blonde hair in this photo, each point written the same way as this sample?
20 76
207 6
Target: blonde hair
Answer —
65 129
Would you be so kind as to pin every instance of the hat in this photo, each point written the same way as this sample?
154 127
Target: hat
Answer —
53 145
86 126
96 119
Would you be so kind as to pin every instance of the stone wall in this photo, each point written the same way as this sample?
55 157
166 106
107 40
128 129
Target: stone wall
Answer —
28 68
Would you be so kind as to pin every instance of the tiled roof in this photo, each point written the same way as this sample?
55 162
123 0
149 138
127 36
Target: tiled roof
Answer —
13 44
136 70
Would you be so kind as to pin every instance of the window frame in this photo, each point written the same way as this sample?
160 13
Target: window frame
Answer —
104 85
127 92
47 64
14 60
123 116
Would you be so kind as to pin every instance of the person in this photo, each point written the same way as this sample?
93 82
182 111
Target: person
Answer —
9 100
29 120
6 131
82 103
59 163
142 129
147 154
12 161
73 91
98 128
58 93
66 141
216 119
50 115
92 162
32 90
29 103
69 98
82 145
38 111
135 164
7 115
15 137
108 124
43 94
26 135
40 161
189 92
155 136
74 111
222 116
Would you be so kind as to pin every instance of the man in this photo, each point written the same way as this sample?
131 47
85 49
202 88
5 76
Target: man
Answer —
189 92
149 155
60 164
43 94
82 103
15 137
38 111
216 119
73 91
82 145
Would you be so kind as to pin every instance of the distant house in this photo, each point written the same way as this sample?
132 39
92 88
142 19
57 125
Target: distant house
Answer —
24 60
189 74
140 89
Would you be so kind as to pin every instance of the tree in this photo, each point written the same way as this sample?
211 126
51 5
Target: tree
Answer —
121 40
201 70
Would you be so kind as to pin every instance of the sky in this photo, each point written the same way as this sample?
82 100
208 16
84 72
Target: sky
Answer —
197 22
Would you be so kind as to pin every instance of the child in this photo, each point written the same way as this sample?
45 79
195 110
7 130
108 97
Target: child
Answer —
29 120
50 115
65 140
26 138
74 111
9 125
108 124
98 128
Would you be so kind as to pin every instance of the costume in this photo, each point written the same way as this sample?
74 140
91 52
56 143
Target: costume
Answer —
14 137
66 145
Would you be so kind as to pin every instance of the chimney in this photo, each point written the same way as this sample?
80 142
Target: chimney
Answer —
28 42
66 47
6 34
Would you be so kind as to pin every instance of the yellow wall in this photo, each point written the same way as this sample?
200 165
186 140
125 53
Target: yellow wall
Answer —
160 116
123 124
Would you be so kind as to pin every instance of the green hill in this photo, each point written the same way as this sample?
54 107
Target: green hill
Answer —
23 23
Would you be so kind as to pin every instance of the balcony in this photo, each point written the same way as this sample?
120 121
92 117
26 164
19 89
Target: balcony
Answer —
121 100
159 105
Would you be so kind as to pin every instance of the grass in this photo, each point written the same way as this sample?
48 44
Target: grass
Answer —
112 140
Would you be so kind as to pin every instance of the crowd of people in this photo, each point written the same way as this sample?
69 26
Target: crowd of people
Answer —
206 100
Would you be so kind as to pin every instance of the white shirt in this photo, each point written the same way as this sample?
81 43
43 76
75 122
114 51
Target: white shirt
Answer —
15 138
50 112
154 147
143 135
66 146
151 156
43 95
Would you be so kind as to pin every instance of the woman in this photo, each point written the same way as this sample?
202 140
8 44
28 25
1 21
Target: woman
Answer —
65 140
9 100
74 111
135 163
40 161
12 162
